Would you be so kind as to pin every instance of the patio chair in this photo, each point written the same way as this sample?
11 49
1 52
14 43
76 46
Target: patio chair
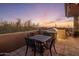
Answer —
29 43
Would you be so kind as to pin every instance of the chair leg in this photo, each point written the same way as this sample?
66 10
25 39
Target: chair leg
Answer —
54 49
34 53
50 52
34 50
41 53
26 50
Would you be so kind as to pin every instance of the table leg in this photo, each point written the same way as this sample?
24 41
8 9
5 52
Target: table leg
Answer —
26 50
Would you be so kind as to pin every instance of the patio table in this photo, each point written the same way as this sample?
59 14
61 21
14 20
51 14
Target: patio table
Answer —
39 40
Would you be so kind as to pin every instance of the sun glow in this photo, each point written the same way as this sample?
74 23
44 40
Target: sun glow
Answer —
48 23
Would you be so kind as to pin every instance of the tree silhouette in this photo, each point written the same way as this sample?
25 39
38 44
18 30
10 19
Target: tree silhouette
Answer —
9 27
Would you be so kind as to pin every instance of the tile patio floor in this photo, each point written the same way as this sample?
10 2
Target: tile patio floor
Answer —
67 47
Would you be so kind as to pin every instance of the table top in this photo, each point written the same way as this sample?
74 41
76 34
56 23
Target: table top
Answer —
41 38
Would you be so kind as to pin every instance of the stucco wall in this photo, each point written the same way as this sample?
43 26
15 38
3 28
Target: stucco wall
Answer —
12 41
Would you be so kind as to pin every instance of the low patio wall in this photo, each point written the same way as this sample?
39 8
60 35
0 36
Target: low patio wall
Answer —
12 41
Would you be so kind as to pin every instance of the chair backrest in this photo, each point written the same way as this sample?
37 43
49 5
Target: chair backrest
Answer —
29 42
47 34
32 33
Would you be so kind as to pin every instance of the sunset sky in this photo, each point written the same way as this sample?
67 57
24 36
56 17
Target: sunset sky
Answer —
45 13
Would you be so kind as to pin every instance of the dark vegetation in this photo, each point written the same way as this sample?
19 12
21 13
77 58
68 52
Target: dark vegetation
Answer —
11 27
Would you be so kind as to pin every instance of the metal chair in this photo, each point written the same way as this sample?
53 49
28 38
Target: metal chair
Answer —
29 43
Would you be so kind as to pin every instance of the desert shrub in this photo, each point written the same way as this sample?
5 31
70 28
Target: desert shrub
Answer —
16 27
